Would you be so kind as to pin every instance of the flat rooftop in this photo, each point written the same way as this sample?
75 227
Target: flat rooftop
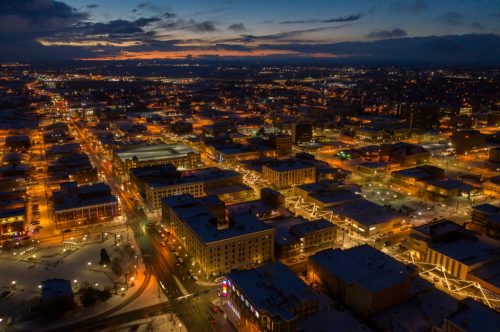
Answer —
476 317
467 251
365 212
416 173
273 288
201 220
364 265
288 165
154 152
86 195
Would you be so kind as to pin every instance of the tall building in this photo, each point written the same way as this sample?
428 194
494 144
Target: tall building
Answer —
421 116
218 242
282 143
301 132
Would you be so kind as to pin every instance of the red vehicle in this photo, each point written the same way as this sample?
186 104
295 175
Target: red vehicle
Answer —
215 309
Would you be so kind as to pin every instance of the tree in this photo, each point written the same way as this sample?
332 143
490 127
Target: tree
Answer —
105 260
116 266
104 295
89 296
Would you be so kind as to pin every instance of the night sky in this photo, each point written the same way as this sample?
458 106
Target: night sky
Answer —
122 29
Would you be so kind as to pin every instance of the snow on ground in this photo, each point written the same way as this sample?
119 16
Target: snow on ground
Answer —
21 278
163 323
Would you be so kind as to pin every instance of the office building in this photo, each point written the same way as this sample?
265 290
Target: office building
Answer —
448 245
362 278
198 182
486 220
367 218
179 155
416 176
81 205
285 173
295 236
301 132
282 143
218 242
270 298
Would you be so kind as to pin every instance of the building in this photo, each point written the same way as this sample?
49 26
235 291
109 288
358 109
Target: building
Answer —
446 244
12 221
301 132
486 220
286 173
449 188
296 236
404 154
81 205
472 317
270 298
367 218
326 194
416 176
421 117
467 140
282 143
73 167
373 168
491 187
179 155
18 143
363 278
423 311
57 296
231 153
218 242
198 182
494 155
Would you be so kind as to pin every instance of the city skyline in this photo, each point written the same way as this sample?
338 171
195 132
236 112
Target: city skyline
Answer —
118 30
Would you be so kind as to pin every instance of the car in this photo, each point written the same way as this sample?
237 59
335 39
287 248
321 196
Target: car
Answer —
177 264
162 244
215 309
67 230
195 277
212 319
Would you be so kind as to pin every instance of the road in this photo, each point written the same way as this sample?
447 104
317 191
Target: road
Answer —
194 311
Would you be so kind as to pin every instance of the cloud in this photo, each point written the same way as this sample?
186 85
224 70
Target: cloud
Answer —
92 6
245 38
349 18
386 34
169 15
143 21
205 26
115 27
416 6
451 18
32 18
191 25
237 27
